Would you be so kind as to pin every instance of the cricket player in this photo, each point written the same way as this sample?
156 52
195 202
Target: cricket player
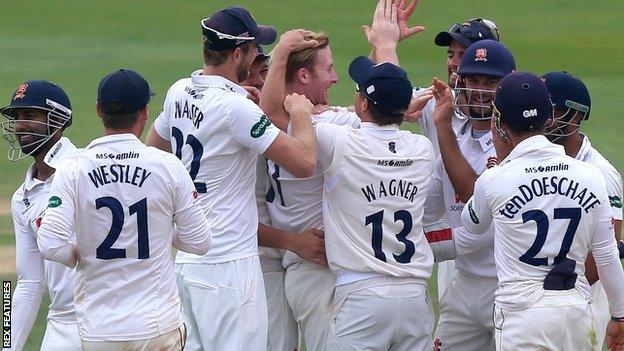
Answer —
217 132
376 182
572 106
38 113
548 210
295 205
282 327
466 307
129 204
457 39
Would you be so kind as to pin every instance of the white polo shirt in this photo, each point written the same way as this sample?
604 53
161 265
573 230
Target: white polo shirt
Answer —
376 182
33 272
428 126
545 206
218 133
129 204
475 252
296 204
612 177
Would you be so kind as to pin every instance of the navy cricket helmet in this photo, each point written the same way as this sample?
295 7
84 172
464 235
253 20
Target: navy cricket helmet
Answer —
568 94
483 58
41 95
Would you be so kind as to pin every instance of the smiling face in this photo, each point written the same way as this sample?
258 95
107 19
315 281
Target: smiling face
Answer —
322 77
31 130
476 94
454 55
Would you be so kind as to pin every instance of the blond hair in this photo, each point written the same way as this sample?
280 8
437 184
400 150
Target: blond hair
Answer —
305 58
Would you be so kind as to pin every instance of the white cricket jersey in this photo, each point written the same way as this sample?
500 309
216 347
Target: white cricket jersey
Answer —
545 206
376 182
129 203
295 204
33 272
612 177
475 252
218 133
428 126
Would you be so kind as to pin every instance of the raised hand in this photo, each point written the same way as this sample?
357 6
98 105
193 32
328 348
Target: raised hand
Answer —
414 111
296 40
445 104
404 11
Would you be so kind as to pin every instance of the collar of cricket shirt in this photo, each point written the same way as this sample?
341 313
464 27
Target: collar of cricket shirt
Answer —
203 81
585 149
535 144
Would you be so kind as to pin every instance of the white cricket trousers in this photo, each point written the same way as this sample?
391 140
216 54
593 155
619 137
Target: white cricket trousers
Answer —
61 337
283 331
381 313
466 314
171 341
600 314
309 291
559 321
224 305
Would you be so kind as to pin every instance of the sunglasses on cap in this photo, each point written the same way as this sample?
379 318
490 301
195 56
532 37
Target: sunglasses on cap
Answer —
473 33
222 36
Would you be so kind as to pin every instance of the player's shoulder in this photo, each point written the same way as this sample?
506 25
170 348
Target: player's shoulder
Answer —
337 115
601 162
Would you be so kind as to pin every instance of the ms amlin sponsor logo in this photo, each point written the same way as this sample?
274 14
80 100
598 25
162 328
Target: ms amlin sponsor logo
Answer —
6 314
550 168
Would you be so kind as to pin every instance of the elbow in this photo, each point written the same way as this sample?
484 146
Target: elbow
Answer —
306 168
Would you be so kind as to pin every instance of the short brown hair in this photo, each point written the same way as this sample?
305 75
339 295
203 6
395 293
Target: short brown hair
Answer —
383 118
120 122
217 58
307 57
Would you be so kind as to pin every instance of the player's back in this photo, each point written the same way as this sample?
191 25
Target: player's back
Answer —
125 205
545 208
217 133
375 188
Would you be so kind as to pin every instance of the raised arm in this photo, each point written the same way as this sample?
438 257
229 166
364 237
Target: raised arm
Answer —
296 153
461 174
389 27
274 90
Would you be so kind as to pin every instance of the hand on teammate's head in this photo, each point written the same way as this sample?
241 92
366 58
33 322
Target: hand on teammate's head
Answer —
296 40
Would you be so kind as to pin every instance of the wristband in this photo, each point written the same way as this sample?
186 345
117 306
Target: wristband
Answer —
621 249
617 319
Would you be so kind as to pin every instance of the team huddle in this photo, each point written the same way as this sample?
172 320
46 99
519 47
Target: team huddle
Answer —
298 222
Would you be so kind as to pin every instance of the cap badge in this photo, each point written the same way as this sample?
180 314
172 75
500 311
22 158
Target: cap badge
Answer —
370 89
20 93
529 113
481 54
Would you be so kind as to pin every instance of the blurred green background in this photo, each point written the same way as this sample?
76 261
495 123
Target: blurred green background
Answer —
75 43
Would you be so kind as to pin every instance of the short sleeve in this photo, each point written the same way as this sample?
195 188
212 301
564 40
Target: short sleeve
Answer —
434 204
162 126
614 191
326 136
477 214
250 127
59 218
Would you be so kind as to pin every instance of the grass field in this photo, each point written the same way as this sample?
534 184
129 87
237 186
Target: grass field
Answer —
75 43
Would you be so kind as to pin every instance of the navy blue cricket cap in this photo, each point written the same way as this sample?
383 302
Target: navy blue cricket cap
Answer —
468 32
262 55
487 57
123 92
384 84
38 94
228 28
568 91
523 101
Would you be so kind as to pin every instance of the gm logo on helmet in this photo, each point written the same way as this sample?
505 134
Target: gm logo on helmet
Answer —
529 113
